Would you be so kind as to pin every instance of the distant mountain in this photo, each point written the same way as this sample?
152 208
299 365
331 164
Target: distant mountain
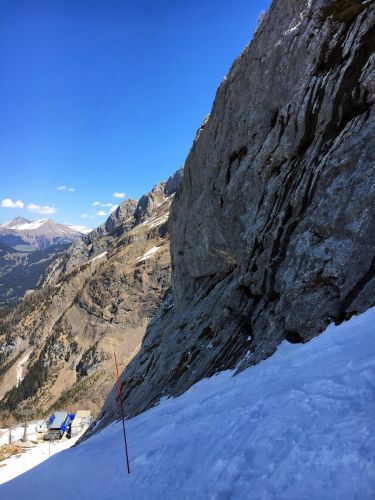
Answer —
39 234
26 249
15 223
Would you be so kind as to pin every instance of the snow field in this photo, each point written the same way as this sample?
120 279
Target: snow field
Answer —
15 466
299 425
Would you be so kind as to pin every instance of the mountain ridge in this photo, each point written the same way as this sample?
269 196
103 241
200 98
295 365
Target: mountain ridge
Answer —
39 233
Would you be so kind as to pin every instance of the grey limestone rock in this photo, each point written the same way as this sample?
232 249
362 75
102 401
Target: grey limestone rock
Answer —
273 226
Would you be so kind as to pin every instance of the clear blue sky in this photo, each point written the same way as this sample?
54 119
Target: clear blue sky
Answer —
106 96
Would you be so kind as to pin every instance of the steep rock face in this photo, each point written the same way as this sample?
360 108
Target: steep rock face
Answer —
97 298
273 227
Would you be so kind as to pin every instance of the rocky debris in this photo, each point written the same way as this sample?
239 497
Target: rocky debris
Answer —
273 226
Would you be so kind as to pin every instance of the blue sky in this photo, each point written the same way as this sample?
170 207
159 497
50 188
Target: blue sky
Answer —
104 97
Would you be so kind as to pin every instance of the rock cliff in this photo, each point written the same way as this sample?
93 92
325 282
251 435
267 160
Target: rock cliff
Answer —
273 227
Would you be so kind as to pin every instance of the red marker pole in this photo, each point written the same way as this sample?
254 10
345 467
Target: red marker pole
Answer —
122 415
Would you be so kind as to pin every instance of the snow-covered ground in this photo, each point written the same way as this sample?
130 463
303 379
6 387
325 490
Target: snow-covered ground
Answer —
28 226
299 425
15 466
16 435
18 432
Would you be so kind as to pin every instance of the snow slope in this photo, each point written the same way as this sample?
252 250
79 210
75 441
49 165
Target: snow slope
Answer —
15 223
299 425
18 465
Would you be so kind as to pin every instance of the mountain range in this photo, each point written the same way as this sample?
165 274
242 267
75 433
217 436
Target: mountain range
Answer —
26 249
23 234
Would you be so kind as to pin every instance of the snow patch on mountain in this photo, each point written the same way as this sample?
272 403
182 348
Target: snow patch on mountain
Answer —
80 229
297 425
29 226
148 254
14 223
97 257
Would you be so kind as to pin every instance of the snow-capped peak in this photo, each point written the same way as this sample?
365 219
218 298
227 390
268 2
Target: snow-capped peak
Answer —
27 226
48 225
80 229
15 223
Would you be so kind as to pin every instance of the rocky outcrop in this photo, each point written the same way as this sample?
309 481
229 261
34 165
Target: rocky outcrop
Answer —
95 299
273 226
148 202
